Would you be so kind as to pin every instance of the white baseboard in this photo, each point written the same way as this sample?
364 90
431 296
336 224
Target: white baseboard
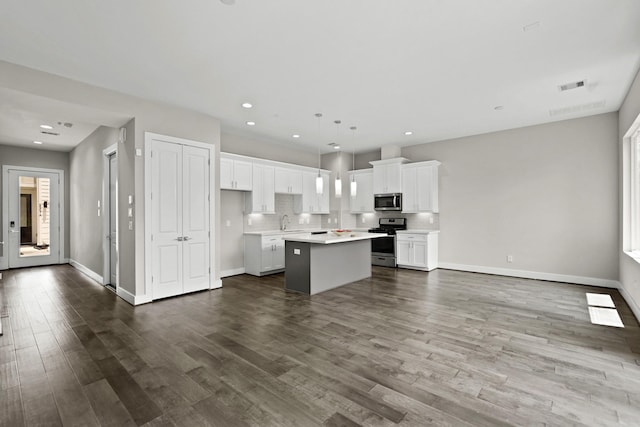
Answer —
232 272
86 271
133 299
553 277
216 284
633 305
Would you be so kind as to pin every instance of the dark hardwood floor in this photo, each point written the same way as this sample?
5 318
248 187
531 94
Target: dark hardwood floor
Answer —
403 347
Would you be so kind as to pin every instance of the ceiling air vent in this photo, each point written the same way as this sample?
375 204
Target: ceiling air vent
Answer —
569 86
49 133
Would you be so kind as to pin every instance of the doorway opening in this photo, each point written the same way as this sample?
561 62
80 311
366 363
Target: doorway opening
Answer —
33 214
110 217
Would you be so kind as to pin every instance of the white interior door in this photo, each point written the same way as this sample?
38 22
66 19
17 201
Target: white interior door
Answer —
195 218
166 219
113 216
180 219
34 217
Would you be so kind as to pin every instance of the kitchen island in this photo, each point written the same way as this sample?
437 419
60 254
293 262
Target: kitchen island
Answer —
318 262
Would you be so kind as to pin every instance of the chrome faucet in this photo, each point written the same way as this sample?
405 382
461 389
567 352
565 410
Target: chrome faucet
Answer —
283 224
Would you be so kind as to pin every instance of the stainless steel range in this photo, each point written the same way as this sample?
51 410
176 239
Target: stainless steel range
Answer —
383 249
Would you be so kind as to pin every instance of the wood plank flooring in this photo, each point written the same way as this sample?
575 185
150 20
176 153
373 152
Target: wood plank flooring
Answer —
400 348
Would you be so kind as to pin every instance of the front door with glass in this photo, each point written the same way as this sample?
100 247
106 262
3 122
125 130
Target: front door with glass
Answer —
33 217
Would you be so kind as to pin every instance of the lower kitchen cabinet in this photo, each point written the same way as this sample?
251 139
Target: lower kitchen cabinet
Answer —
263 254
417 250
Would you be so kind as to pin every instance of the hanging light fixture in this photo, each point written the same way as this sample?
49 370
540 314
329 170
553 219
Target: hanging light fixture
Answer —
354 184
338 183
319 181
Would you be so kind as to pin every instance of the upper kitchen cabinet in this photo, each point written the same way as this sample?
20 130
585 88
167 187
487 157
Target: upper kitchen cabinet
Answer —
262 198
288 180
387 175
310 201
420 187
236 172
362 202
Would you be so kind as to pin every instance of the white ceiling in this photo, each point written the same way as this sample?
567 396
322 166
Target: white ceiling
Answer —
437 68
22 114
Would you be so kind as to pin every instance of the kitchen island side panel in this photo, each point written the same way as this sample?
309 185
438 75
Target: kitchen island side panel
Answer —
296 261
339 264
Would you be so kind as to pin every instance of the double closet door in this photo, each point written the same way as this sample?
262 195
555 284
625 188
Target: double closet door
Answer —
180 219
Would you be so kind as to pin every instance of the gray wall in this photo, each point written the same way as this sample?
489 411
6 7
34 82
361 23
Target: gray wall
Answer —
149 117
629 268
267 149
86 173
544 194
363 159
18 156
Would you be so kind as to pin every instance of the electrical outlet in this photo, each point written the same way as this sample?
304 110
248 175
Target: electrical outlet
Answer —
509 258
130 225
307 220
300 221
328 220
430 220
248 221
228 223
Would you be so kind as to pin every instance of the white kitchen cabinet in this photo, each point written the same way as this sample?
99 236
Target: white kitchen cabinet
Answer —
420 187
288 180
262 198
235 173
363 201
263 254
310 201
417 250
387 175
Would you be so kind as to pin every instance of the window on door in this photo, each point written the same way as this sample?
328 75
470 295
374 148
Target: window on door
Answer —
34 216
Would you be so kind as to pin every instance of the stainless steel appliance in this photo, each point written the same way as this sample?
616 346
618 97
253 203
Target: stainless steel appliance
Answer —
383 249
387 202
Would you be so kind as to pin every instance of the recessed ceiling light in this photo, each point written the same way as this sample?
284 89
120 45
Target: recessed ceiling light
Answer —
251 123
247 105
37 142
408 133
498 107
46 127
295 136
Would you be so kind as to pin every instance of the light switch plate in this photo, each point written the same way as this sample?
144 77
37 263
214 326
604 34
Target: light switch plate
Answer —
228 223
130 225
130 199
139 152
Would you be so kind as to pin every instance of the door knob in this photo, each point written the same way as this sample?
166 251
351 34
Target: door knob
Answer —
185 238
179 239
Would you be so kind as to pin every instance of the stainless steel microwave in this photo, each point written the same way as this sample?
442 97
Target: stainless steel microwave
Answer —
387 202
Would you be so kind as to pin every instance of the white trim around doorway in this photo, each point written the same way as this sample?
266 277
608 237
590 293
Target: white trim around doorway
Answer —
106 244
4 259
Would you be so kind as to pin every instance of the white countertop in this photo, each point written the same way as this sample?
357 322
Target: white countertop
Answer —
416 231
330 237
276 232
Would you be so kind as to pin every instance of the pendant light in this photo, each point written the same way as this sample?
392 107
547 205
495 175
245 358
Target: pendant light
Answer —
319 181
338 183
354 184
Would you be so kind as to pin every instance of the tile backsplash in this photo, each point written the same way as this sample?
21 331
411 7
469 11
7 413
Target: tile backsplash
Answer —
284 206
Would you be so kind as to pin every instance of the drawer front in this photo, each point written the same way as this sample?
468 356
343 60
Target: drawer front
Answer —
412 237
